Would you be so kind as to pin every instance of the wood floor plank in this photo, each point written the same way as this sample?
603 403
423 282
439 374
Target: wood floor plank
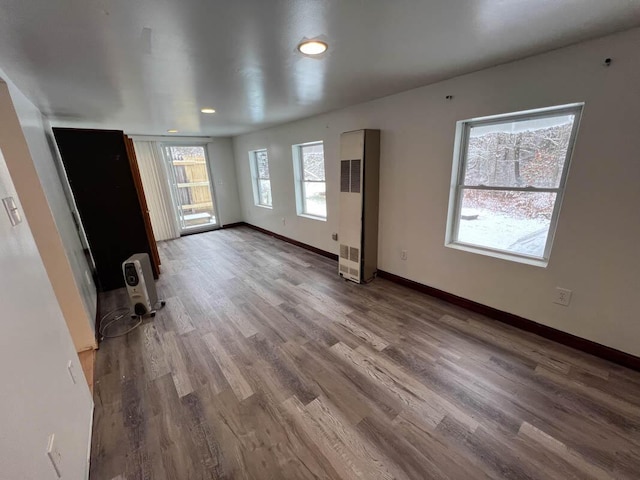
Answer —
262 290
265 364
420 389
225 307
201 365
627 408
411 399
443 459
336 453
313 324
229 368
585 426
177 314
359 331
324 301
369 460
178 368
548 442
154 356
287 376
332 384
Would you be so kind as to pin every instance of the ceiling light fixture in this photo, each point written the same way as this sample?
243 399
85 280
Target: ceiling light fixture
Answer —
173 130
313 47
208 110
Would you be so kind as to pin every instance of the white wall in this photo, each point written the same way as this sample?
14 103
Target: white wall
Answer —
282 218
595 253
220 151
223 170
37 397
44 152
31 163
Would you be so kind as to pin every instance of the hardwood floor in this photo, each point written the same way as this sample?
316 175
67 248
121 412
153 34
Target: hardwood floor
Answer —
266 365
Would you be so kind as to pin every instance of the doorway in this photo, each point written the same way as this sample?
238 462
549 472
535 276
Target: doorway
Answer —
191 187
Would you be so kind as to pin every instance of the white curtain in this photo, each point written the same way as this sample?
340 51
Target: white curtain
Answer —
156 190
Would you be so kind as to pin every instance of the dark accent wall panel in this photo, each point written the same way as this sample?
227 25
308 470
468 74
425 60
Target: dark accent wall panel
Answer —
100 176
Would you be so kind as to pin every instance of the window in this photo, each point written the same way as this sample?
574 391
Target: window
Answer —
308 166
509 175
261 179
191 186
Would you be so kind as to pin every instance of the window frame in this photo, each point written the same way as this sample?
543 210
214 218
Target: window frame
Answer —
298 170
173 188
463 129
256 178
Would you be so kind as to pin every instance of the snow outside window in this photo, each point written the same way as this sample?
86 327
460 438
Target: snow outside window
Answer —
261 179
308 163
508 179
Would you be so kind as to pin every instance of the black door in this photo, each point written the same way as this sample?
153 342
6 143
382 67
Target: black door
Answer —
100 176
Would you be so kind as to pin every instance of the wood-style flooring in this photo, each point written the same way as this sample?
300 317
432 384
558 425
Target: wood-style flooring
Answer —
266 365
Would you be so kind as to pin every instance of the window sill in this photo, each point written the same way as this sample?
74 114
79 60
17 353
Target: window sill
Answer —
269 207
536 262
312 217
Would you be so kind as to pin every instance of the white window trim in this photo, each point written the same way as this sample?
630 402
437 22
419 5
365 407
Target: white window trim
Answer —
170 175
255 177
299 182
458 174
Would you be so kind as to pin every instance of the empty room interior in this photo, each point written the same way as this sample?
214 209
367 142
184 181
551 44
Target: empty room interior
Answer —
320 239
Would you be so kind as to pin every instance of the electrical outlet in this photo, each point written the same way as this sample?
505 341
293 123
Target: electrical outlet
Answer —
563 296
403 255
284 221
54 455
334 236
72 372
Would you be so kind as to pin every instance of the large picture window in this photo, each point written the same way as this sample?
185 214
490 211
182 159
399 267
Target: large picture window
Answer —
508 181
261 178
308 165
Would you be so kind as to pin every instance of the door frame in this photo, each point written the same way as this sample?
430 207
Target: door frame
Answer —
173 185
144 207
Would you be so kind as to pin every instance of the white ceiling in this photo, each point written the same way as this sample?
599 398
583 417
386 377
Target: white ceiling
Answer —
146 66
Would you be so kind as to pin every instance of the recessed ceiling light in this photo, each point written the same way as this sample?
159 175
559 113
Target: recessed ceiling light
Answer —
313 47
208 110
173 130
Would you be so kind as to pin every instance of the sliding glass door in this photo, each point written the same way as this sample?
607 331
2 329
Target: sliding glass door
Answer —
192 189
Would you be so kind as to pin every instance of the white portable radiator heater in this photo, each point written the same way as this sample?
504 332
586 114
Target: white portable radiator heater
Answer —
141 285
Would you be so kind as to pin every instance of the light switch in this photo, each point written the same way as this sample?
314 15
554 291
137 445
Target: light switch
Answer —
72 373
54 455
12 210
